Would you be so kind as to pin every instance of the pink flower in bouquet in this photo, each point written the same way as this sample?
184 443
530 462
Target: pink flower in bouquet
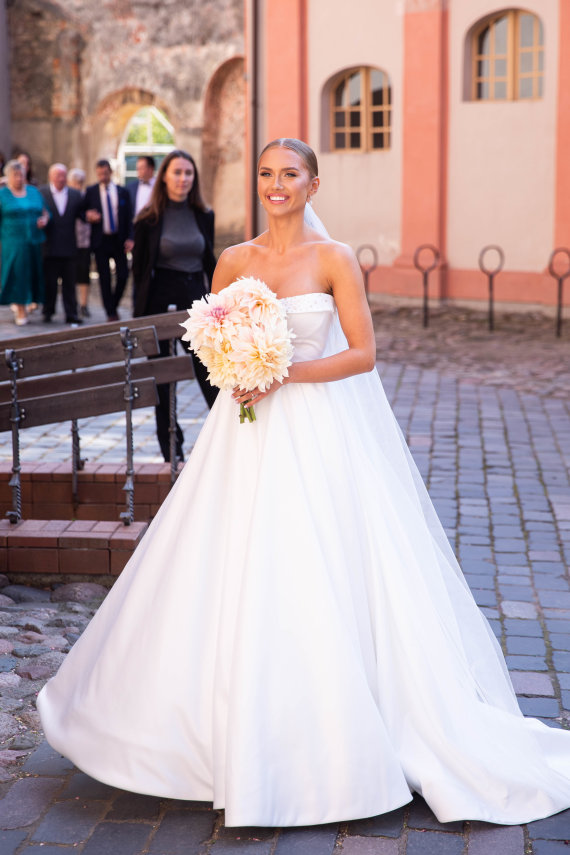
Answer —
211 321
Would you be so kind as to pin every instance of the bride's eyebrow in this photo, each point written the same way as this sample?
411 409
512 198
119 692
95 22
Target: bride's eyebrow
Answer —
283 169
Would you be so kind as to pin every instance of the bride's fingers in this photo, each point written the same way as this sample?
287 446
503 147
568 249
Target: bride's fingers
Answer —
243 397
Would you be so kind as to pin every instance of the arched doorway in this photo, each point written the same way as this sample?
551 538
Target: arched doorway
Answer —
107 132
223 151
148 133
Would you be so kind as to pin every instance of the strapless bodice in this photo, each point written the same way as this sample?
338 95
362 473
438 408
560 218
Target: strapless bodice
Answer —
313 301
310 317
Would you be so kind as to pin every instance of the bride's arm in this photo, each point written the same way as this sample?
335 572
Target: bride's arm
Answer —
343 272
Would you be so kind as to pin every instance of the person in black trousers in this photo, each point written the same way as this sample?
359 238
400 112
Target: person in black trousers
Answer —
108 209
60 248
173 264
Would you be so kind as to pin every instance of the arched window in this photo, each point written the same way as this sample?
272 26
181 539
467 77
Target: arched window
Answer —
148 132
360 110
508 57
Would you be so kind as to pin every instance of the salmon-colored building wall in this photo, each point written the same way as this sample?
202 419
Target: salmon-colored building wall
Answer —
459 174
562 207
284 59
501 156
360 195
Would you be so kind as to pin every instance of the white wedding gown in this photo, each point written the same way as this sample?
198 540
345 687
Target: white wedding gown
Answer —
293 639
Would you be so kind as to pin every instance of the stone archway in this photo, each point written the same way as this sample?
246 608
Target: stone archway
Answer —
223 150
104 132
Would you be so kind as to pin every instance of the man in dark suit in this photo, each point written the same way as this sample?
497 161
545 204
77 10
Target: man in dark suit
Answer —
140 190
108 209
60 247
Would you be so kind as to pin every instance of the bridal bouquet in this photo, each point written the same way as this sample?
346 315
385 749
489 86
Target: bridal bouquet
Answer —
241 336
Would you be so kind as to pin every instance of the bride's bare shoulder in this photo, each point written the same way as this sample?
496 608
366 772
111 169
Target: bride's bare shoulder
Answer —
334 252
242 253
233 254
235 261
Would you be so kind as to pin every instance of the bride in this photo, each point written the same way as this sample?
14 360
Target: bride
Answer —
293 639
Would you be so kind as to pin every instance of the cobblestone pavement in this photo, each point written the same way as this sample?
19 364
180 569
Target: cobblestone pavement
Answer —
487 420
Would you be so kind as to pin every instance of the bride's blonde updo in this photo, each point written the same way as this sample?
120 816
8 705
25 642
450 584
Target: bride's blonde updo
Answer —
301 148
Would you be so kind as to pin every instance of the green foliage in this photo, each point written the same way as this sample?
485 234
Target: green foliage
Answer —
146 128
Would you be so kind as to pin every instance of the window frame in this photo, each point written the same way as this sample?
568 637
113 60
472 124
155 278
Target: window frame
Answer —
367 109
513 58
127 149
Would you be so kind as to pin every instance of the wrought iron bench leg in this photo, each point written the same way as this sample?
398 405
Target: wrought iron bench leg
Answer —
172 413
16 414
129 344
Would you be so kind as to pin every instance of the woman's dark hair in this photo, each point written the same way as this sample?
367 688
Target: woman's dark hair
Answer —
159 197
301 148
29 172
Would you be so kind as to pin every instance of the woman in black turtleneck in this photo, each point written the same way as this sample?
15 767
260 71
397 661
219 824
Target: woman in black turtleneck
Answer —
173 263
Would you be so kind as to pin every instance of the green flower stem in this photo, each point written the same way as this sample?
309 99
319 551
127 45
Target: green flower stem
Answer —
246 413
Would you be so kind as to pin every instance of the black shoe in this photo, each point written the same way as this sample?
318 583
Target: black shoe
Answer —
179 456
113 317
74 320
47 319
84 312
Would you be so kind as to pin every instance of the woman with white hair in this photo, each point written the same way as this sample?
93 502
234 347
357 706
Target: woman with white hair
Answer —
22 219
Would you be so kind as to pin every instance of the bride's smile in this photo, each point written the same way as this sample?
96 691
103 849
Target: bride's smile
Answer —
284 183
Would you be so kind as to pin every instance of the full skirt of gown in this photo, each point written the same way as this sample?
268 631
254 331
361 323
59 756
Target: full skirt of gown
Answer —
293 639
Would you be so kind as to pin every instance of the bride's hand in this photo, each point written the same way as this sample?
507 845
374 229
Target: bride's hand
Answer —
249 399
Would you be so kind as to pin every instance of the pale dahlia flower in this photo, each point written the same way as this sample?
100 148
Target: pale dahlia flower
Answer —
255 298
262 356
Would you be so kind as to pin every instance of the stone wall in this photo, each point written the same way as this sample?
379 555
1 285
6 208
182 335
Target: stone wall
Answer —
80 69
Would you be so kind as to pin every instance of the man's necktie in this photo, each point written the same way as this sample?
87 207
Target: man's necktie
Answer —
110 212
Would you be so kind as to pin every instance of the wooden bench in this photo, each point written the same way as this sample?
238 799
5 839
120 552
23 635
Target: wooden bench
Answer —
82 372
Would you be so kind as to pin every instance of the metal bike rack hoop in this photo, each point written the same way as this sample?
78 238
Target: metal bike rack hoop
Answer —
425 270
367 269
491 273
560 277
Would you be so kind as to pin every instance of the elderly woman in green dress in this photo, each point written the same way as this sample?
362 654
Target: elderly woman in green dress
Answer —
22 220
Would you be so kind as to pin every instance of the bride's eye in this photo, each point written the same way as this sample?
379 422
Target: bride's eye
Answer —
265 174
